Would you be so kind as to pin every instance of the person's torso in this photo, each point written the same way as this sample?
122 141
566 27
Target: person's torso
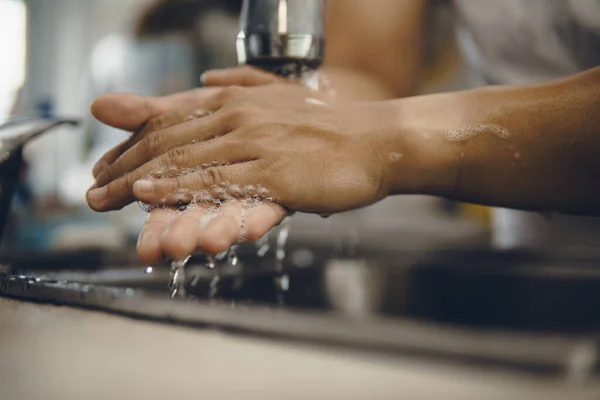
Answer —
525 41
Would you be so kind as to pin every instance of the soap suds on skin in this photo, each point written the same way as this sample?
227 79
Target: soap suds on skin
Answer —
470 131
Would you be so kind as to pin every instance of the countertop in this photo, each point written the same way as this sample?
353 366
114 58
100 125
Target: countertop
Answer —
49 352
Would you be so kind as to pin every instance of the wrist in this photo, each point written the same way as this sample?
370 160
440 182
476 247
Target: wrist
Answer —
419 157
353 85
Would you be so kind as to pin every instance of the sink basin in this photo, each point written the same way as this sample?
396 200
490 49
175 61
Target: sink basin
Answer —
518 308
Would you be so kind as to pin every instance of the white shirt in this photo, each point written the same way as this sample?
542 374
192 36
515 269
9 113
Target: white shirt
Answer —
520 42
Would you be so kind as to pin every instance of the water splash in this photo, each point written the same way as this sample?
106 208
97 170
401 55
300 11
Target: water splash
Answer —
263 246
282 280
177 278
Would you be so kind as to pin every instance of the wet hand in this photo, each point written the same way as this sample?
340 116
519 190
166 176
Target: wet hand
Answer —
143 114
168 232
177 234
314 153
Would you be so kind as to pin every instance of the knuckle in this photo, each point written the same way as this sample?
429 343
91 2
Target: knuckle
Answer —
153 144
238 146
128 181
234 115
232 92
109 173
210 177
155 124
178 156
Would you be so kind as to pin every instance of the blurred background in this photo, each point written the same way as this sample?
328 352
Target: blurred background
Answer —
59 54
430 311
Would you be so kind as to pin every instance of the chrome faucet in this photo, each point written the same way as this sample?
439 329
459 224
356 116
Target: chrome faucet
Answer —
281 36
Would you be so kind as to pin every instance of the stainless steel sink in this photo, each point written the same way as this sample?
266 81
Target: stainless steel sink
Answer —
523 310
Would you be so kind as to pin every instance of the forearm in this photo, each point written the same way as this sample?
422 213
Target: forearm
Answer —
374 47
530 147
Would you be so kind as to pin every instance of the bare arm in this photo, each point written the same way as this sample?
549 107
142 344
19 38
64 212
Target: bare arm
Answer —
374 48
533 147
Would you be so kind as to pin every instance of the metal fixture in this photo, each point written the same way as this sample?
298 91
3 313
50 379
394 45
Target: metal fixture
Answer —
277 35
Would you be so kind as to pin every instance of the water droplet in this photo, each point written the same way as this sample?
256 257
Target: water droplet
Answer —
210 262
394 157
280 242
251 190
316 102
149 270
218 192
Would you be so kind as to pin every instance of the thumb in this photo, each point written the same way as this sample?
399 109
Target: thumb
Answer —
124 111
130 111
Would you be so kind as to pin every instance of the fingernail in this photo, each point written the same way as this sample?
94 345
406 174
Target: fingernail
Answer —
97 195
143 186
98 167
203 79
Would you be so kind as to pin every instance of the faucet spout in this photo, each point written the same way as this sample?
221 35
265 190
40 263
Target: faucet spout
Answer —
277 33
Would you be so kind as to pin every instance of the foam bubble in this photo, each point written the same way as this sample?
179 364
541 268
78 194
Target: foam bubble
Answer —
196 114
466 132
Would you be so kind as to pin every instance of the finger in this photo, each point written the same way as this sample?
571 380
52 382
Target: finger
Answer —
209 179
148 245
158 143
157 123
261 219
176 109
125 111
130 111
119 192
241 76
180 239
223 230
108 158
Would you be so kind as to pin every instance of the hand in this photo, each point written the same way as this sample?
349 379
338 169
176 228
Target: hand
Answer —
316 154
145 115
177 234
165 232
131 112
